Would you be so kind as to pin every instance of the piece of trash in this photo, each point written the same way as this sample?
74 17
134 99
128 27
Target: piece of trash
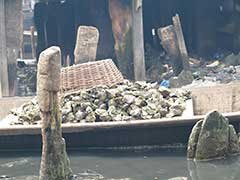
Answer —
4 176
214 64
165 83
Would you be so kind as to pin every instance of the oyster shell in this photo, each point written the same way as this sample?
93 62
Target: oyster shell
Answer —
123 102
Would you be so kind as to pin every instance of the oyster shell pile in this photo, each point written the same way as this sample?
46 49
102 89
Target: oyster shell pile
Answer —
126 101
27 114
26 80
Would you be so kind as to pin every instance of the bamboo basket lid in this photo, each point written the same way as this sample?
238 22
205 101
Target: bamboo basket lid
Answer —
88 75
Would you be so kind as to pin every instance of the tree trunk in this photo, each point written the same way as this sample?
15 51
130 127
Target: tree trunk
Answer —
55 164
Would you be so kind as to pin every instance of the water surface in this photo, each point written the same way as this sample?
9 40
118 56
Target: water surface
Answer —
128 165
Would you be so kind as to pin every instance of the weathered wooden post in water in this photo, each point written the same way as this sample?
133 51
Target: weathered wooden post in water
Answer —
55 164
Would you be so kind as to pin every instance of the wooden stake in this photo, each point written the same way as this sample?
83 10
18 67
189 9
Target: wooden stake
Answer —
32 29
138 41
54 162
4 91
181 42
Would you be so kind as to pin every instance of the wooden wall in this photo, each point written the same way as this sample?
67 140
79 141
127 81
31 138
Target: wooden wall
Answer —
11 37
224 98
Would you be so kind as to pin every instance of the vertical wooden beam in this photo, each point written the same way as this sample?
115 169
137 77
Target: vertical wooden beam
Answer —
0 87
121 16
14 34
236 21
138 41
33 42
4 91
181 42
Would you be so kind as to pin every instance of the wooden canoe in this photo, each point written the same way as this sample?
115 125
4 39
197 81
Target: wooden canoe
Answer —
159 132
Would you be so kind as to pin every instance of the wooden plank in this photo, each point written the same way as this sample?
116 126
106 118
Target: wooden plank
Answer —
0 87
224 98
82 127
169 43
13 26
138 41
181 42
3 54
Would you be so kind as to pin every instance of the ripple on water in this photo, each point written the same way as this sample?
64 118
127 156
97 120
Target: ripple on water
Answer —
19 162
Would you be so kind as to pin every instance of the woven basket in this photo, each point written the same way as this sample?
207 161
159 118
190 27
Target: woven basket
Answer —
88 75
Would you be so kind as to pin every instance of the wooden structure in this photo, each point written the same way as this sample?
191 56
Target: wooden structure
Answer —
57 24
129 38
138 41
10 36
109 134
224 98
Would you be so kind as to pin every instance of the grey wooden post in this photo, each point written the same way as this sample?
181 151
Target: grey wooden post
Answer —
14 36
181 42
138 41
4 85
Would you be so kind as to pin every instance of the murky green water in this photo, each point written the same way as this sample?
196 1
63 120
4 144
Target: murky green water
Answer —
142 165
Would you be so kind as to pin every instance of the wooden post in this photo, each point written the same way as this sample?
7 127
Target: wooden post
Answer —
138 41
121 17
4 91
181 42
14 31
236 21
33 43
54 162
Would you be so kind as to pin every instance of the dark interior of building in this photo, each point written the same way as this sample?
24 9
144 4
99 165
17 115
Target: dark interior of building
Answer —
208 26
